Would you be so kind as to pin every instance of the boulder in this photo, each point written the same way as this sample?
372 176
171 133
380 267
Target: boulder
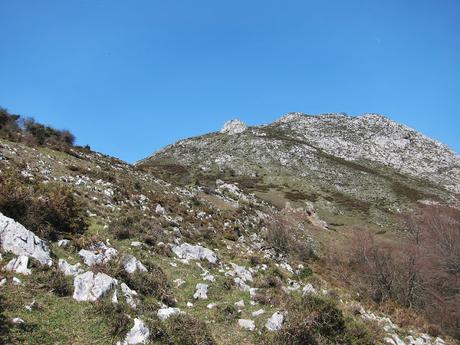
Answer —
131 264
190 252
308 290
247 324
90 287
68 269
201 291
165 313
19 265
138 334
129 294
275 322
98 254
16 239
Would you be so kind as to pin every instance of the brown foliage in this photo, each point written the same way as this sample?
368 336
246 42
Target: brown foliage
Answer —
422 272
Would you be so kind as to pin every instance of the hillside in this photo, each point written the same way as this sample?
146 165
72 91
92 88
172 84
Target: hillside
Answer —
197 245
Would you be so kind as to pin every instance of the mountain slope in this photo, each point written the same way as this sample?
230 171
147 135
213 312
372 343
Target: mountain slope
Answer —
367 163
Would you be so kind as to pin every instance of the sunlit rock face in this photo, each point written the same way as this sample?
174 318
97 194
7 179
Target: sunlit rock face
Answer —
234 127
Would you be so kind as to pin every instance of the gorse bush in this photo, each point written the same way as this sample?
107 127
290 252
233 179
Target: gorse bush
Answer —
49 210
16 128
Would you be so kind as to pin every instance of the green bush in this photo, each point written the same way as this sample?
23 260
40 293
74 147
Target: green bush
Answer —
318 320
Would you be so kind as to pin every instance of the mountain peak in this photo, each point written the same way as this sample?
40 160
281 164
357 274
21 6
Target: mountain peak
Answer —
234 126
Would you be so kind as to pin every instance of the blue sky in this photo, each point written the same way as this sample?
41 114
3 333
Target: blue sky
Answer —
129 77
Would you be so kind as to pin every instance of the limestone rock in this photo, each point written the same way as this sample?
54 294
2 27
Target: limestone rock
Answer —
234 127
139 334
190 252
131 264
275 322
201 291
19 265
90 287
130 295
99 254
165 313
247 324
68 269
16 239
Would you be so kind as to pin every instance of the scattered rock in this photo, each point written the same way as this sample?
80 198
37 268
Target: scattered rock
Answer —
129 294
68 269
63 243
17 281
19 265
308 289
165 313
201 291
247 324
136 244
139 334
189 252
275 322
258 312
240 304
99 254
17 321
3 282
179 282
160 209
211 305
16 239
131 264
90 287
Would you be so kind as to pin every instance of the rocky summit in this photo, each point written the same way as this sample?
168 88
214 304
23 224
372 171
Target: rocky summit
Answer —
327 229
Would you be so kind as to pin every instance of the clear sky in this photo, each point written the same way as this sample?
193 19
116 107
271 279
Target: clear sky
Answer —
129 77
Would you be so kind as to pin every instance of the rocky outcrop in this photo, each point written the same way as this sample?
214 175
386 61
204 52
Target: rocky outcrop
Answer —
16 239
233 127
190 252
90 287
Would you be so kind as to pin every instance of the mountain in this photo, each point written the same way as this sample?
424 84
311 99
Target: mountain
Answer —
311 230
368 164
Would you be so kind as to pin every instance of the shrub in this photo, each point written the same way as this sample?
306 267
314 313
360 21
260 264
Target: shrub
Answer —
318 320
117 314
186 330
49 210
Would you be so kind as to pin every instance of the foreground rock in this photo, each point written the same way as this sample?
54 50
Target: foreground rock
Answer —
139 334
19 265
275 322
16 239
189 252
131 264
90 287
247 324
166 313
201 291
